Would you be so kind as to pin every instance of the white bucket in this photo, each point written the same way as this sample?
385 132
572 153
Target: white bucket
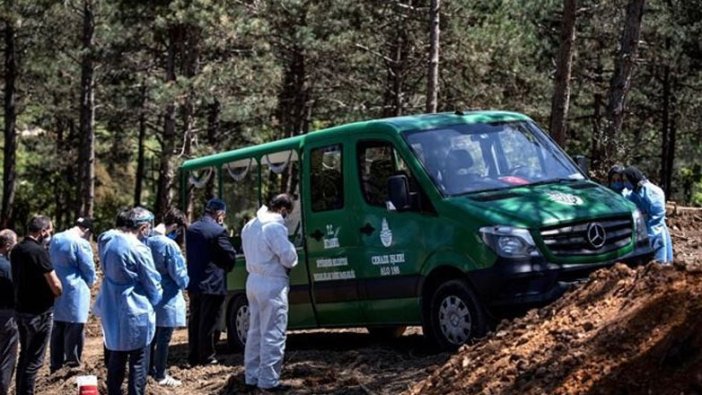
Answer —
87 385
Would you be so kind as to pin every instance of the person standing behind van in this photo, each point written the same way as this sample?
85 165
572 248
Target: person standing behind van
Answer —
130 290
269 258
8 325
36 287
210 256
650 200
72 257
170 312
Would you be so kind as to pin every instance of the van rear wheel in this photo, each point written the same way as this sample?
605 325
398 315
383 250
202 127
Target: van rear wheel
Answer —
238 323
454 315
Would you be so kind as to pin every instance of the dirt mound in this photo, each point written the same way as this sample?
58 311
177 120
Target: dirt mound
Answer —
686 231
624 331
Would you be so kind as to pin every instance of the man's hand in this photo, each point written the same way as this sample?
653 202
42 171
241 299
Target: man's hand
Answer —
54 283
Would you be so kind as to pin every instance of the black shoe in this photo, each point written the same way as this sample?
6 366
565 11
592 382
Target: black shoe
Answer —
278 388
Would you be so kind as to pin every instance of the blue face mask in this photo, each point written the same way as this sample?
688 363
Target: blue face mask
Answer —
172 235
617 186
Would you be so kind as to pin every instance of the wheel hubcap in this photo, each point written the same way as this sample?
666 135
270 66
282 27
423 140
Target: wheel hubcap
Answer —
242 323
455 320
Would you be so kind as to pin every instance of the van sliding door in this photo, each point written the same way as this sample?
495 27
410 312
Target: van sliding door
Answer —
331 241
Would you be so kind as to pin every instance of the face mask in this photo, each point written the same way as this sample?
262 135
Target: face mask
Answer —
617 186
172 235
45 240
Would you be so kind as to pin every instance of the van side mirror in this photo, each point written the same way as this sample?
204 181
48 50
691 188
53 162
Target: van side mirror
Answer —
399 193
583 163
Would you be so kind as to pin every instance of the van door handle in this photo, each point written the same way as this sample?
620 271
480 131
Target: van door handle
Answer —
317 234
367 229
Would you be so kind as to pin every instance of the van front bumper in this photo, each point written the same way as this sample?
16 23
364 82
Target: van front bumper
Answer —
532 282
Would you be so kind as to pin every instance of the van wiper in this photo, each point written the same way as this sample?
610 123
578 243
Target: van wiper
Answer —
560 180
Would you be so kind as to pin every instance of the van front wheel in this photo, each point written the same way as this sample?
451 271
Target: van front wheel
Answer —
238 323
454 316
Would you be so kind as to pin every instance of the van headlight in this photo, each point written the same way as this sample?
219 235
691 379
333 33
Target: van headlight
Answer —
509 242
640 224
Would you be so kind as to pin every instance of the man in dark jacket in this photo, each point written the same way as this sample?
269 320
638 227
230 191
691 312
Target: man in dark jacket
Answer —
210 256
9 337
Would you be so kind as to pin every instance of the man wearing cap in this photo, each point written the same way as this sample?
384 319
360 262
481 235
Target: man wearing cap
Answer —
72 257
210 256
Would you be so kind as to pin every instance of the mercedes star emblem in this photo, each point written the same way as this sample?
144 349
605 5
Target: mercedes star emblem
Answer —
596 235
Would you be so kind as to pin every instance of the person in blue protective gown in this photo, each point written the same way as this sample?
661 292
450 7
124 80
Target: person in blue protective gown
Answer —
269 258
170 312
125 304
72 257
650 200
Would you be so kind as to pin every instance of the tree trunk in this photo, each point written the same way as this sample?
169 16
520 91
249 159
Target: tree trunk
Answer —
86 155
294 96
621 81
10 150
670 158
665 130
166 170
433 72
564 65
595 147
139 179
395 67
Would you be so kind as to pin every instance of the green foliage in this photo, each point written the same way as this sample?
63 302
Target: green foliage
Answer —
253 71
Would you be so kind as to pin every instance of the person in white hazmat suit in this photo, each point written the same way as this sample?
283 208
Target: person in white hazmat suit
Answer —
269 258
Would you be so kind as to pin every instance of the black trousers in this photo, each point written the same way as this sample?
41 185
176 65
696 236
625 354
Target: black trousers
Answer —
34 332
138 368
205 313
9 337
66 344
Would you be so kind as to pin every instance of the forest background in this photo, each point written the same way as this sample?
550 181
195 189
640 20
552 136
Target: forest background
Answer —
103 100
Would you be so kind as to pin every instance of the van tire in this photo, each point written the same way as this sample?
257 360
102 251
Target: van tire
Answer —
453 316
386 332
237 323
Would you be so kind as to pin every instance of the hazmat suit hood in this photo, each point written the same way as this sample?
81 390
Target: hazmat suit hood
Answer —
267 217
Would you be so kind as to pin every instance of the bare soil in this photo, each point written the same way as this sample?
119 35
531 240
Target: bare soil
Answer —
625 331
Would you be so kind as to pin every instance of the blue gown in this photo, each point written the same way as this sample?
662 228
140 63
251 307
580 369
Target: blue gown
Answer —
170 264
130 290
72 257
650 200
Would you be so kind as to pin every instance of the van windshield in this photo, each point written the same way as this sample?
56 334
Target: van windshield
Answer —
478 157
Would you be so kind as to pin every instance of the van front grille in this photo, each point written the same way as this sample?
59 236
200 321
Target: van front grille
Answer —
588 238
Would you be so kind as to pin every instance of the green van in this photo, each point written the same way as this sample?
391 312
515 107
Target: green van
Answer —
433 220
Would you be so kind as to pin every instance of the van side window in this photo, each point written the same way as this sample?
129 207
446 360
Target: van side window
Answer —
326 178
280 173
378 160
202 186
240 192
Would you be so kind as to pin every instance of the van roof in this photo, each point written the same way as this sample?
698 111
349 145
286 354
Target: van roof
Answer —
398 124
